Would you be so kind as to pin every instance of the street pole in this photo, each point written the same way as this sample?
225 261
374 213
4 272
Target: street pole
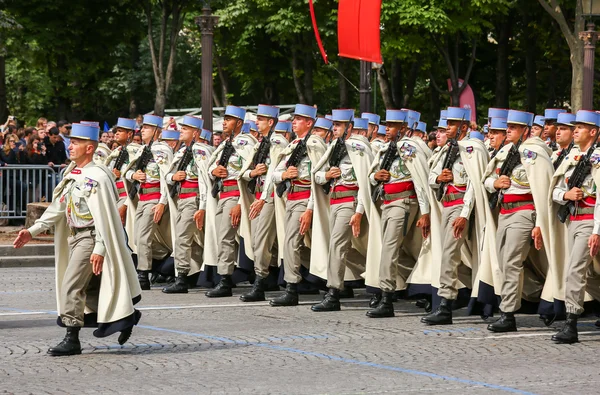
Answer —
365 86
207 22
589 37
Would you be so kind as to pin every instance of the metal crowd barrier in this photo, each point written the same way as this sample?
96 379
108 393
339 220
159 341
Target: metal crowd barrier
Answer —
23 184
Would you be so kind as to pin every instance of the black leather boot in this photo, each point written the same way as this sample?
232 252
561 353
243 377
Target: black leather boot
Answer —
441 316
568 333
330 303
289 298
257 294
70 344
375 300
385 308
222 289
506 323
143 279
179 286
347 293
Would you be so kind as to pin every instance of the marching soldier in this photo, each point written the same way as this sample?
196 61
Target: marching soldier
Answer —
497 135
187 203
90 263
225 171
322 128
583 225
403 200
171 138
300 199
123 136
378 139
549 134
101 153
538 126
523 213
264 229
152 227
373 124
349 200
458 201
564 137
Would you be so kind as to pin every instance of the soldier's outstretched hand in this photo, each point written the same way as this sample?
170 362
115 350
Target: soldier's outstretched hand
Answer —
425 224
355 223
305 221
199 219
97 261
536 235
594 244
23 238
459 225
255 208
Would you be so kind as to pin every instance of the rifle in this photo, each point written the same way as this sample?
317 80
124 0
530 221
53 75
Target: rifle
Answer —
187 157
563 154
337 154
386 164
513 159
582 170
300 151
498 149
451 157
228 150
141 164
261 155
123 156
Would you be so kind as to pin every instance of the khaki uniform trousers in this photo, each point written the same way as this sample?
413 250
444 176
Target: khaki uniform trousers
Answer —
264 233
295 252
396 218
228 246
341 253
145 228
186 248
578 265
450 253
80 287
513 241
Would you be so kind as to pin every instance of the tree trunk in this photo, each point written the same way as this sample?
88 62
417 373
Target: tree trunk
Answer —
530 66
577 78
435 104
344 94
3 101
308 77
160 102
296 77
224 84
397 83
502 83
411 82
133 109
385 88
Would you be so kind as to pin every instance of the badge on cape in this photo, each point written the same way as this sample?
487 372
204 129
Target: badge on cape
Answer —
358 147
470 149
89 185
201 153
241 143
407 151
595 160
529 156
161 157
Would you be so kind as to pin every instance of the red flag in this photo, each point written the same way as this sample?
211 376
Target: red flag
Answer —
358 29
467 99
317 35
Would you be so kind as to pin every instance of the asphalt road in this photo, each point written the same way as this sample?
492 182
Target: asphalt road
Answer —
192 344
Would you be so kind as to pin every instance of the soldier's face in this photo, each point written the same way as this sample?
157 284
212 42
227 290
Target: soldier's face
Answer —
441 137
320 132
229 124
536 131
549 131
264 124
187 134
301 124
514 132
496 137
584 134
78 149
147 133
391 130
564 135
338 129
452 130
121 135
